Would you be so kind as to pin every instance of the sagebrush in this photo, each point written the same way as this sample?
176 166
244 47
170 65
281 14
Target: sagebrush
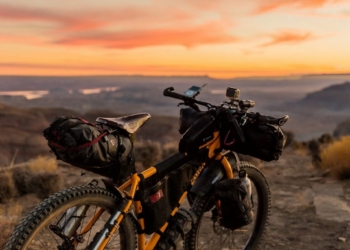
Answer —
336 158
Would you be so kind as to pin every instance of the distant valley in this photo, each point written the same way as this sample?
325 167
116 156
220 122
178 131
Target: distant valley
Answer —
315 103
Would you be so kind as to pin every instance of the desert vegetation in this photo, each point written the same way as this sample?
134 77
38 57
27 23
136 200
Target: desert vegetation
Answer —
336 158
39 176
9 216
149 152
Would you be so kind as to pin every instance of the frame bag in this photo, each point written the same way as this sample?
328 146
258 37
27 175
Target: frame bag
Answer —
160 197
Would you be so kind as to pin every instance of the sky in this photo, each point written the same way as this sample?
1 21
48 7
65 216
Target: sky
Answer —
220 39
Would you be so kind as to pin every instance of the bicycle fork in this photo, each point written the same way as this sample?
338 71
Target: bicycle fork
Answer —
102 238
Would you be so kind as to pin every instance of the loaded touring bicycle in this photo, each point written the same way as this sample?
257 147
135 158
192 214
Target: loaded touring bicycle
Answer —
228 200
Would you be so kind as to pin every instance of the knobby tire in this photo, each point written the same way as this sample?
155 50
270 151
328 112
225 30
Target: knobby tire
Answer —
29 229
214 237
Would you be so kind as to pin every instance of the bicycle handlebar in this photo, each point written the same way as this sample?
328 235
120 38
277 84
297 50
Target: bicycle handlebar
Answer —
188 100
259 117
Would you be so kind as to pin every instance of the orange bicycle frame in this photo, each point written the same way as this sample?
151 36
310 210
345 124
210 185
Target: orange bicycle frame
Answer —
133 185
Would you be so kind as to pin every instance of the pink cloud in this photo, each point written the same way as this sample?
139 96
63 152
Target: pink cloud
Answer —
140 27
209 33
299 4
67 22
289 37
93 19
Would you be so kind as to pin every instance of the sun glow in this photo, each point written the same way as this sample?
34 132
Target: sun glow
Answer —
263 38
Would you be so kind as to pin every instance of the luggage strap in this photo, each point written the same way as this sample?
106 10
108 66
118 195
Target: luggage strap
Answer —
85 145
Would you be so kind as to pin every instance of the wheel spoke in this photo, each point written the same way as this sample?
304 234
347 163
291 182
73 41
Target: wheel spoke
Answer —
40 237
204 236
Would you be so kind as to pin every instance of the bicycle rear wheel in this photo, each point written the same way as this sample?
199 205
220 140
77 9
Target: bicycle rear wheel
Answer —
207 232
36 229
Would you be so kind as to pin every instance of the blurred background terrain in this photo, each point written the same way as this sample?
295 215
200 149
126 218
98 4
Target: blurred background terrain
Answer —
315 163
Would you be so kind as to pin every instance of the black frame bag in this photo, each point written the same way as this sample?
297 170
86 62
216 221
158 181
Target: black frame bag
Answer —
160 197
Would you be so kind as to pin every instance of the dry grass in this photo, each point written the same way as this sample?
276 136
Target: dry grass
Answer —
9 216
336 158
7 186
149 153
43 165
36 176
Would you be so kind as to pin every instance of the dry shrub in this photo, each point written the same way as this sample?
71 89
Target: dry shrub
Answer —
7 185
43 165
148 153
289 137
336 158
44 184
36 176
21 176
9 217
169 149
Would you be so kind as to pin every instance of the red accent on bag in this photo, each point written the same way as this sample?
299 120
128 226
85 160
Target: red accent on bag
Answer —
156 197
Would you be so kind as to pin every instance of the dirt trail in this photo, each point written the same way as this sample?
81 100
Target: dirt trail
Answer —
308 212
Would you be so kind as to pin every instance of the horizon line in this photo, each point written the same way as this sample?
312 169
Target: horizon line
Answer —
181 76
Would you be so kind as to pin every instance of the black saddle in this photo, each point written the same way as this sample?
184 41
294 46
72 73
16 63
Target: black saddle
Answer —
129 123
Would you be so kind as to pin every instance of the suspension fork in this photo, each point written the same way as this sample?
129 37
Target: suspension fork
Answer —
102 238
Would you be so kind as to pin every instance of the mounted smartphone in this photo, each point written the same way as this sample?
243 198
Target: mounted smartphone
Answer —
193 91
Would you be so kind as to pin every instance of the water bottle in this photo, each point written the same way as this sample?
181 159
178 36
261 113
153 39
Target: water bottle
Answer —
71 220
246 183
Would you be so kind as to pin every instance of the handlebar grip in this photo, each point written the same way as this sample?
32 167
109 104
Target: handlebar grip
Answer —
169 92
275 121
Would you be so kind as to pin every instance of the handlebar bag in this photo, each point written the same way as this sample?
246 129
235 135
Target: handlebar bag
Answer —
262 141
91 147
188 116
160 197
197 135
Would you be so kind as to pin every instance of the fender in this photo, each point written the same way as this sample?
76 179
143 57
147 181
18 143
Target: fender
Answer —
213 173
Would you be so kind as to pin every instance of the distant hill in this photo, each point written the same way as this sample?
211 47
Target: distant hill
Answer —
319 111
314 106
335 98
342 128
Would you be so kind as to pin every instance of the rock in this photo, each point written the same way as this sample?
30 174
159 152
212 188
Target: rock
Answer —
328 203
307 197
316 179
342 239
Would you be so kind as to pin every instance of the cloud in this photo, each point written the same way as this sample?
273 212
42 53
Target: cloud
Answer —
126 27
64 21
299 4
289 37
87 19
207 33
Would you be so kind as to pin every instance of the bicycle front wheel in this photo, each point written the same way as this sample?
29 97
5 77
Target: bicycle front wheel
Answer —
37 229
207 233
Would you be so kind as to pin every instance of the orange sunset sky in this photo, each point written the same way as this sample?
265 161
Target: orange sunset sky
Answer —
219 38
